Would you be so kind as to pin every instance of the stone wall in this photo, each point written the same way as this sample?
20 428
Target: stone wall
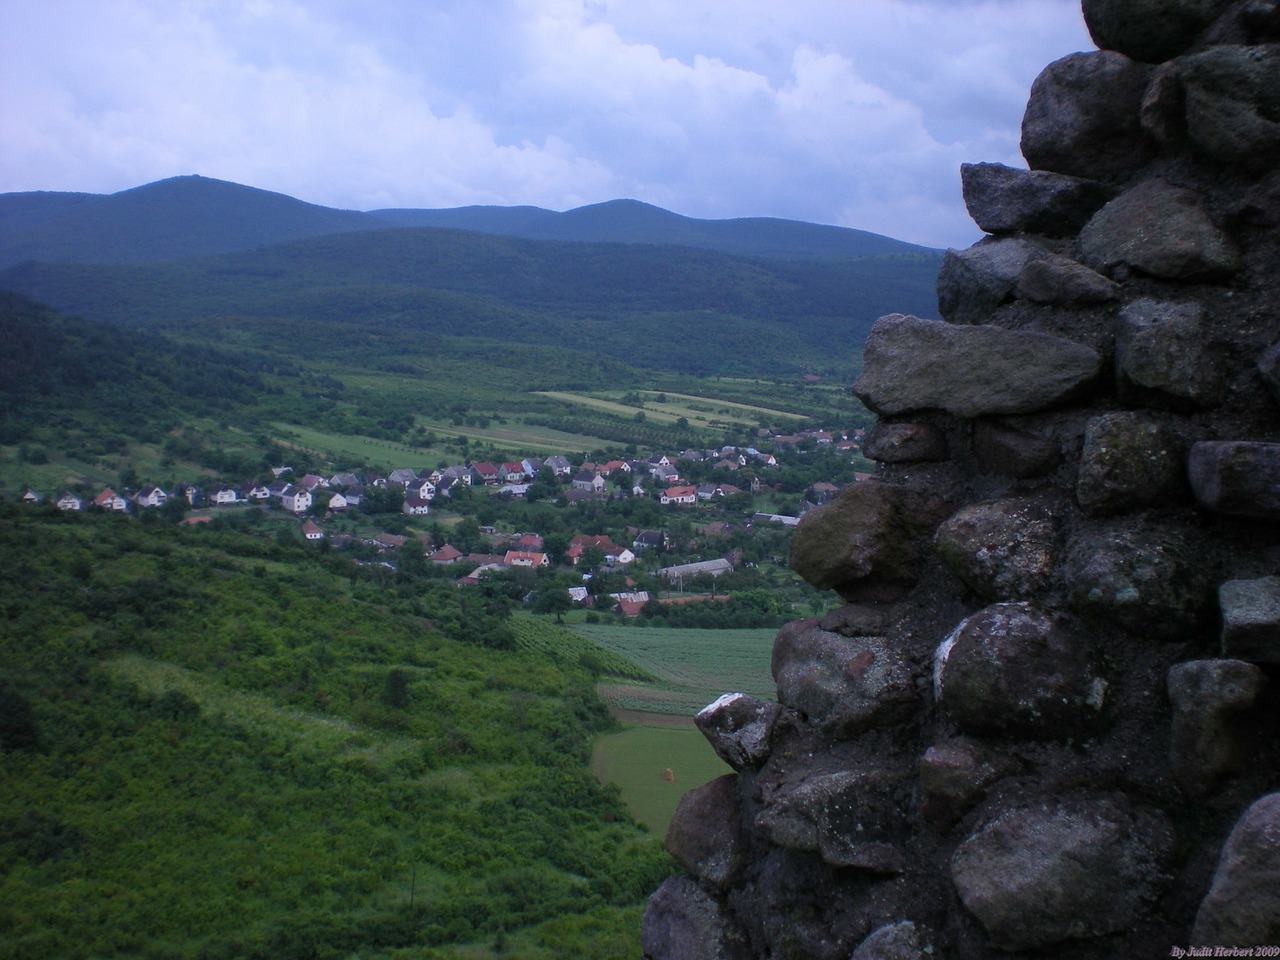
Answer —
1046 722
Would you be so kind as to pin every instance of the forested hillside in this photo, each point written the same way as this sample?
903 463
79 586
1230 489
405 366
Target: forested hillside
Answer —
416 291
193 216
219 745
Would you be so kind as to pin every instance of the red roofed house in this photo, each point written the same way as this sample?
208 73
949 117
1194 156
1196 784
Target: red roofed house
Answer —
446 554
108 499
680 496
525 558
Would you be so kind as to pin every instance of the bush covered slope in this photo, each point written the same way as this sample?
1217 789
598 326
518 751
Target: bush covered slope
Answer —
217 745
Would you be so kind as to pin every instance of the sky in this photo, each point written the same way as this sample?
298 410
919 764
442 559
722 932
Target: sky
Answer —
850 112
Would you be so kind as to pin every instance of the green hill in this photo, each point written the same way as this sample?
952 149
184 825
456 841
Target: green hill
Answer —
193 216
178 217
631 221
221 745
400 292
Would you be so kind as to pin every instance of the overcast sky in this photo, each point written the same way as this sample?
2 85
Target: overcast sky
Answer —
853 112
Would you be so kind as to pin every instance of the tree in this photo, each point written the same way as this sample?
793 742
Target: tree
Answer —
395 691
554 599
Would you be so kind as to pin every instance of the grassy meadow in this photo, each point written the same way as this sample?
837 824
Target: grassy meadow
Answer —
659 755
654 767
691 667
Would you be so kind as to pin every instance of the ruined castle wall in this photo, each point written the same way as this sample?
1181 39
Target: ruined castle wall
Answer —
1046 720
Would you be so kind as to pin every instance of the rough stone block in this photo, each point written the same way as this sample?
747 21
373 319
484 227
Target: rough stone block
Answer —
1061 281
1149 579
1163 346
954 776
705 834
1237 477
1129 460
1207 695
1243 902
1251 619
973 282
911 364
1233 103
1011 452
867 543
1003 549
682 922
849 683
1011 669
905 443
1148 30
1040 876
1005 199
1160 230
739 729
1082 117
896 941
851 818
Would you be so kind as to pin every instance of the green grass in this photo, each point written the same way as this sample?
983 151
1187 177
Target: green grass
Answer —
654 767
539 635
691 667
340 738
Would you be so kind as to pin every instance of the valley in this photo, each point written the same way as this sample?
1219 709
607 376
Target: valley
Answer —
322 732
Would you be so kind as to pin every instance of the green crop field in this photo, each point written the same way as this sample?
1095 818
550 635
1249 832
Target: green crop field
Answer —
654 767
692 667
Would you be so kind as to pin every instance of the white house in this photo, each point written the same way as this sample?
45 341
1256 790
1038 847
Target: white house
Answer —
69 501
295 499
150 497
223 495
108 499
416 506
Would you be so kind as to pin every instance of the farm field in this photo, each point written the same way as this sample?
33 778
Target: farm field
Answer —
654 767
691 667
699 411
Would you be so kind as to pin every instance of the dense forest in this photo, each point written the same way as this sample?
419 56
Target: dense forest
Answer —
220 745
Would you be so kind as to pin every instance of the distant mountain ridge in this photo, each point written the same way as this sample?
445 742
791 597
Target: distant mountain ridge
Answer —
196 216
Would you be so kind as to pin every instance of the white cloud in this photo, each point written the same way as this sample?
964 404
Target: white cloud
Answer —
858 114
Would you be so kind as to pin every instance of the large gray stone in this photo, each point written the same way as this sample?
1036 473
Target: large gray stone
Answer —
1038 876
1207 696
1083 117
739 729
1242 906
1237 477
905 443
1005 199
1269 369
954 776
1251 619
1233 103
848 683
682 922
1149 30
1164 346
850 818
868 542
911 364
1063 282
896 941
1129 460
1011 669
1003 549
1160 230
1150 579
705 834
1008 451
973 282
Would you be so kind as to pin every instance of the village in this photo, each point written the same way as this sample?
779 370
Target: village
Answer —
688 515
